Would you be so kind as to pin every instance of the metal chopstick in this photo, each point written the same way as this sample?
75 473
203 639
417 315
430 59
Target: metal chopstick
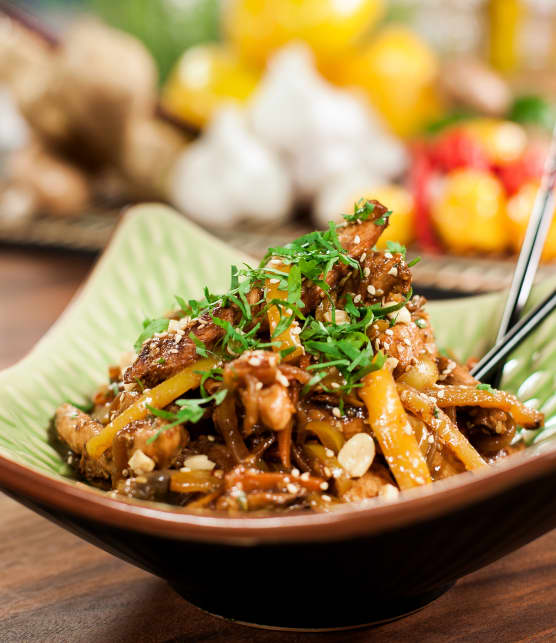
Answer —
494 358
528 261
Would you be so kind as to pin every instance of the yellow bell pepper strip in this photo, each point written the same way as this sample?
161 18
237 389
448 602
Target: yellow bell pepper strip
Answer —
426 409
393 430
328 434
196 481
158 397
327 465
288 338
487 398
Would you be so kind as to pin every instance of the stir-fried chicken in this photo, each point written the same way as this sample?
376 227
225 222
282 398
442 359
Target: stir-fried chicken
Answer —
76 428
170 352
314 380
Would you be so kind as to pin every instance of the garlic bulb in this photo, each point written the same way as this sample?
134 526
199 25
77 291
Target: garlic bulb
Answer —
228 175
321 130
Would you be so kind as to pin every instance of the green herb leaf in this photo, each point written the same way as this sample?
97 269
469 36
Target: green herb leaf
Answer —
150 327
485 387
395 247
362 210
191 411
199 345
86 408
414 262
384 218
350 308
182 303
287 351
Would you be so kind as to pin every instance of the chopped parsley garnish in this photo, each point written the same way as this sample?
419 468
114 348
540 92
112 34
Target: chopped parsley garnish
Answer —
191 410
485 387
150 327
414 262
395 247
344 348
382 220
199 345
362 210
161 360
86 408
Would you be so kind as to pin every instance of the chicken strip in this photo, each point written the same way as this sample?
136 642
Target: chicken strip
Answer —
165 355
76 428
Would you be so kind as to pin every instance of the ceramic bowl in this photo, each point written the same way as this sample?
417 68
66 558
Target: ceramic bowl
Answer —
352 567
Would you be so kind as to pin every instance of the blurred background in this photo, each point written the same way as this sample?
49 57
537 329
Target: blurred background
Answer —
260 119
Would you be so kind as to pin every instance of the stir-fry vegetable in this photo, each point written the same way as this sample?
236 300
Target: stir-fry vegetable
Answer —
313 381
158 397
393 430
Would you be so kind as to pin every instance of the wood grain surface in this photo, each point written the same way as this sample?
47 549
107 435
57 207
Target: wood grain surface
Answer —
56 587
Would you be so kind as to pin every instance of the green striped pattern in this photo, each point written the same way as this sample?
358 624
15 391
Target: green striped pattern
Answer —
154 255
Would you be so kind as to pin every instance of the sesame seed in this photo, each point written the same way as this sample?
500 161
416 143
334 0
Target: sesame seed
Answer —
393 271
357 299
379 291
326 498
366 271
329 452
389 331
357 239
388 255
295 473
292 488
258 386
305 476
274 281
371 289
324 486
211 438
336 412
363 257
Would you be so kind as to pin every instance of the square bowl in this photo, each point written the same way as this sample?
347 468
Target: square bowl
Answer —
393 557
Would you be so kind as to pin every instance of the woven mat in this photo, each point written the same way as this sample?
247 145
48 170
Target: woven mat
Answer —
92 231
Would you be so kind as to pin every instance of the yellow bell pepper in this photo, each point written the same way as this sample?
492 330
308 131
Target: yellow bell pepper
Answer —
519 210
470 213
203 78
393 430
397 70
502 141
288 338
401 223
257 28
158 397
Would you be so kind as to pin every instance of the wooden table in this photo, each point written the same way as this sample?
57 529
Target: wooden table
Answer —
55 587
